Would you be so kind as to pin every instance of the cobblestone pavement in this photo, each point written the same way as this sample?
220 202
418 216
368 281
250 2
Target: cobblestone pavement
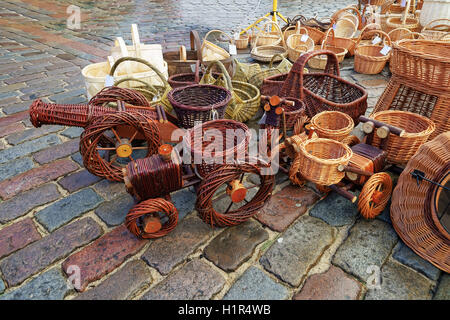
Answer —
54 214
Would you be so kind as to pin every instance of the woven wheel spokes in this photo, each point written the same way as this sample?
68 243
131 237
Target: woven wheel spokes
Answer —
375 195
109 95
152 208
232 213
110 139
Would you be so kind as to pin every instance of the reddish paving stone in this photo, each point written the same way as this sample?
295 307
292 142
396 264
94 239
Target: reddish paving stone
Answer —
181 242
333 284
194 281
17 236
24 202
122 284
235 245
286 206
5 121
57 152
38 255
36 177
12 128
78 180
104 255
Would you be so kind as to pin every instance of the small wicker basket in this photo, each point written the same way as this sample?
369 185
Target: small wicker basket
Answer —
320 61
333 125
368 58
299 43
321 158
417 131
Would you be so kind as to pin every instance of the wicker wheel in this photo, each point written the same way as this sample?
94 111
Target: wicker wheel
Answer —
375 195
145 222
235 205
115 133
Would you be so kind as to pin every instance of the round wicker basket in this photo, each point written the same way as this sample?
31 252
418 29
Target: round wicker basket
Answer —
332 125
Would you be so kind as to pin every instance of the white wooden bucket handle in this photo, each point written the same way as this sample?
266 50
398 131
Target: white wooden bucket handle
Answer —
123 52
111 61
136 40
183 56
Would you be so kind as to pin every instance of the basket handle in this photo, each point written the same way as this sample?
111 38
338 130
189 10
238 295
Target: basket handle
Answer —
406 12
344 18
224 71
136 40
324 41
183 55
370 25
197 71
378 32
146 84
386 7
435 20
273 58
196 43
278 30
220 31
294 81
124 59
336 15
288 28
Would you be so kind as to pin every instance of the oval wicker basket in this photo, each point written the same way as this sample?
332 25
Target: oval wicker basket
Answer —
417 131
396 22
368 58
424 61
345 28
266 38
297 45
333 125
321 158
199 102
266 53
415 205
251 99
233 147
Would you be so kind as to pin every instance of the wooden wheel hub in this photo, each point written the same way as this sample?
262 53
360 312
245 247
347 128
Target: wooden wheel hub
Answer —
377 196
236 191
124 148
165 151
152 224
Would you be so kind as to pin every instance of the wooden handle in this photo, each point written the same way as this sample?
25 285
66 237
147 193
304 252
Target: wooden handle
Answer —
377 124
343 168
281 100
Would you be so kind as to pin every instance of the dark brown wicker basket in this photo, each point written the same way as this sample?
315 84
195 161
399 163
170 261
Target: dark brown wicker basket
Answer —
324 91
176 65
199 103
272 85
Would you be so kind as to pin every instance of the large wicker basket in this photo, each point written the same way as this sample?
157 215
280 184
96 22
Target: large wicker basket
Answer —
368 58
332 125
199 102
423 61
235 137
326 90
417 131
320 159
415 206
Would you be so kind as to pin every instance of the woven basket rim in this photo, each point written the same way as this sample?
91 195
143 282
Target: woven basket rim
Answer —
411 46
344 158
176 104
349 127
431 126
371 57
204 125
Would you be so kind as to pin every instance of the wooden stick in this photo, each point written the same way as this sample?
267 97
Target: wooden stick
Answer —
344 193
282 100
354 170
395 130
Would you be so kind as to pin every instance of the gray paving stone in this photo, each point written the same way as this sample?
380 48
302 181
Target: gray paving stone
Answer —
187 236
28 147
408 257
68 208
184 201
300 248
369 244
122 284
72 132
15 167
254 284
51 285
443 289
113 212
335 210
109 189
194 281
235 245
24 202
19 137
2 286
400 283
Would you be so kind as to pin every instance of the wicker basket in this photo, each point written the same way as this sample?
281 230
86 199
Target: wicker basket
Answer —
242 41
291 113
199 102
185 79
246 108
423 61
368 58
320 159
319 62
417 131
266 38
266 53
415 206
283 67
326 90
373 2
345 28
177 64
244 71
333 125
234 146
297 45
315 34
355 16
435 31
211 51
402 33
